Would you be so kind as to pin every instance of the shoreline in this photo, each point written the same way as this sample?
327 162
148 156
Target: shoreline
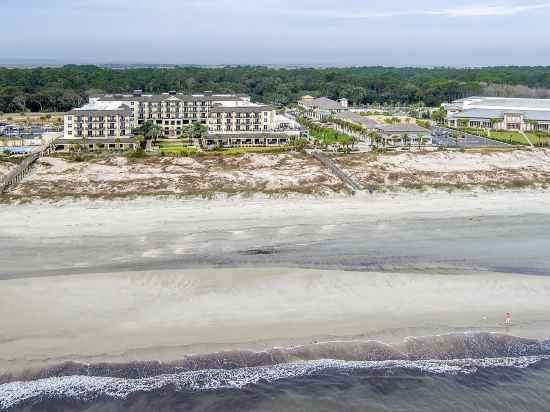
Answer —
222 316
155 279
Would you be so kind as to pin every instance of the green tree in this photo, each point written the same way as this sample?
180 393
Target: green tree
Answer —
439 115
197 131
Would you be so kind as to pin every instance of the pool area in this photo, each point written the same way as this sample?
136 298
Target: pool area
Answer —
18 149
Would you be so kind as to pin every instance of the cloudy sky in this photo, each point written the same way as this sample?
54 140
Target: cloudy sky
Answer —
335 32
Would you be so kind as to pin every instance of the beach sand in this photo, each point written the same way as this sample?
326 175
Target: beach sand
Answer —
167 314
152 279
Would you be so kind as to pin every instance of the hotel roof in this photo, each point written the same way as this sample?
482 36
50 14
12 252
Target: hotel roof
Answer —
402 128
502 103
323 103
157 98
100 107
499 114
358 119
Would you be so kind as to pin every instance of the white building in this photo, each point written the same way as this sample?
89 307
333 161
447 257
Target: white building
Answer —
116 115
322 107
500 113
109 121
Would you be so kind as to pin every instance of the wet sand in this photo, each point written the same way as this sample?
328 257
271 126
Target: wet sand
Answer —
164 315
122 281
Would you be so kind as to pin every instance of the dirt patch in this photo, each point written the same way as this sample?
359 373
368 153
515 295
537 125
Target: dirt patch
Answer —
511 169
201 176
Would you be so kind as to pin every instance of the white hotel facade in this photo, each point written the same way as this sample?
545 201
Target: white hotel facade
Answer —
113 118
498 113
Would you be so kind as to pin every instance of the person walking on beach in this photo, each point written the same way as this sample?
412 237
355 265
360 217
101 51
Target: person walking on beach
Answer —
508 319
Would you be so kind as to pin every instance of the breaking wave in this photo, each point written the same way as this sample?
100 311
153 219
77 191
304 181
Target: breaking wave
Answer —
445 354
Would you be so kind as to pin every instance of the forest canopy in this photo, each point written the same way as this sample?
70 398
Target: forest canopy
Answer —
60 89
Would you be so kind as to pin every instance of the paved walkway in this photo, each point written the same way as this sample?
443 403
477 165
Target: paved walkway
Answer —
526 138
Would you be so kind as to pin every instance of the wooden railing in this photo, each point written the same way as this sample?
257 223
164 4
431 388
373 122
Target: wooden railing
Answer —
22 169
333 167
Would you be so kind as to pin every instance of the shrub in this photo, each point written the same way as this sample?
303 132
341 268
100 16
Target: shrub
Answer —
136 154
179 151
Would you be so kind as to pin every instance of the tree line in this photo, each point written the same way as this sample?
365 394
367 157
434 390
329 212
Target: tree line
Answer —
60 89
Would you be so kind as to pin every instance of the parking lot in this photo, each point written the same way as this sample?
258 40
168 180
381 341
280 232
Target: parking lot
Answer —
444 137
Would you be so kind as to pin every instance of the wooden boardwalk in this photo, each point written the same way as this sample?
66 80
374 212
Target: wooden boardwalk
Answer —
334 168
14 176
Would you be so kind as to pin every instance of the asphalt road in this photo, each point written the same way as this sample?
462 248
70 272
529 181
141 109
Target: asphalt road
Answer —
443 137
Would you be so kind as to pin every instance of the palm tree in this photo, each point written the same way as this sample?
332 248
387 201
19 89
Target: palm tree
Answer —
375 137
84 144
154 132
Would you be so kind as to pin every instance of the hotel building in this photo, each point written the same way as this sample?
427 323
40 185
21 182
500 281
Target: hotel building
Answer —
113 118
498 113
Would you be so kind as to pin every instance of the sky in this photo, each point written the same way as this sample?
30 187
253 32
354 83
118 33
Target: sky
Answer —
457 33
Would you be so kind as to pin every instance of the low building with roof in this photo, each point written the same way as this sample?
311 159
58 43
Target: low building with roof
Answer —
321 108
354 124
500 113
93 144
227 140
404 135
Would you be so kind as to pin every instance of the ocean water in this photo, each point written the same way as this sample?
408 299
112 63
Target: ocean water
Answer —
482 371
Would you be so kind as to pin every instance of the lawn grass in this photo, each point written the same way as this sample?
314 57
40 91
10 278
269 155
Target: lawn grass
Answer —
178 150
508 137
539 139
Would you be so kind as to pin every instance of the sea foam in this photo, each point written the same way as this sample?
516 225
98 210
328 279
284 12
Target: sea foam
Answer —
89 388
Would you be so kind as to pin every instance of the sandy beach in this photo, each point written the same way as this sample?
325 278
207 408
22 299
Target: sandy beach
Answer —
152 279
